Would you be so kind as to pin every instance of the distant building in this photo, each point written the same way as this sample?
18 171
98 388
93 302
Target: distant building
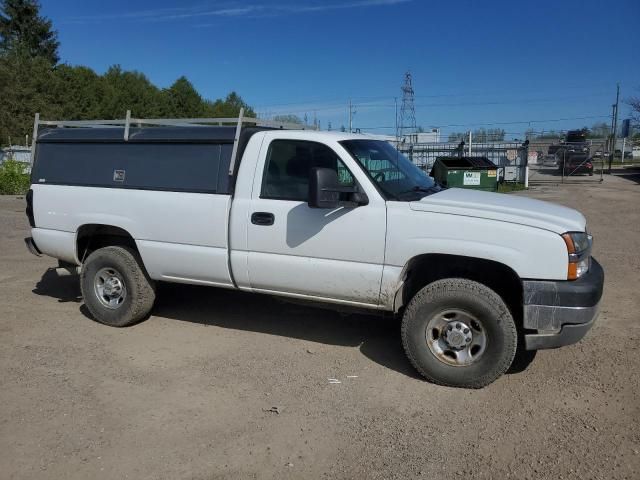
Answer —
432 136
18 153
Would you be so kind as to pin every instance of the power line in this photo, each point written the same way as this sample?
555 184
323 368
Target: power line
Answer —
466 93
510 102
520 122
371 105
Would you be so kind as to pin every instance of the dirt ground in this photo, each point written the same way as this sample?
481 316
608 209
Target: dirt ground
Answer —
188 394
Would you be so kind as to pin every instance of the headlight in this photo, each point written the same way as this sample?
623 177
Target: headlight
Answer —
579 252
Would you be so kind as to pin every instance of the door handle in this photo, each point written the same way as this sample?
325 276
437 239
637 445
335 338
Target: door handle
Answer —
262 218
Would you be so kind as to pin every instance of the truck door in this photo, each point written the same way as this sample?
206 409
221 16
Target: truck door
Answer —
334 254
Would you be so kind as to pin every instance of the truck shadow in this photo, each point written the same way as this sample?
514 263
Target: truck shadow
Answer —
304 223
631 174
376 336
64 289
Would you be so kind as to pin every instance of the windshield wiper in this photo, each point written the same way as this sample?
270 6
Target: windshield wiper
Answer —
418 188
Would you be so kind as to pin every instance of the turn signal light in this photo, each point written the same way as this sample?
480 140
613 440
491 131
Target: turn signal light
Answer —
579 251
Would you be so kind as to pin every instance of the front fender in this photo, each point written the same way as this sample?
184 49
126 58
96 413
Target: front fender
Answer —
531 252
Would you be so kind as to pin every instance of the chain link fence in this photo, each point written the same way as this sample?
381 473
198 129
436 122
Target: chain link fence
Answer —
510 158
566 162
534 162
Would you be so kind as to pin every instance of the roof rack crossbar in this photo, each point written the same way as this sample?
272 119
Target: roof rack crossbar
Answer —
176 122
239 121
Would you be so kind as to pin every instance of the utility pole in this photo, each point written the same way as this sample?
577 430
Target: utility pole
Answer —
610 134
395 100
352 112
615 127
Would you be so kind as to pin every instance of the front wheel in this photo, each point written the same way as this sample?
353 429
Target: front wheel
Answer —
115 286
459 333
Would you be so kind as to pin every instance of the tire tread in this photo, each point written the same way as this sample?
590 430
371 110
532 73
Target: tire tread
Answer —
435 290
142 302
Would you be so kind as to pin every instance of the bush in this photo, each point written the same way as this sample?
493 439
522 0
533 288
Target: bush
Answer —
13 178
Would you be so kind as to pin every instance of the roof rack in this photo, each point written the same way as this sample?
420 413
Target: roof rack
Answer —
238 121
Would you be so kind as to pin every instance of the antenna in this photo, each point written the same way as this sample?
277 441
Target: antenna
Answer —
407 123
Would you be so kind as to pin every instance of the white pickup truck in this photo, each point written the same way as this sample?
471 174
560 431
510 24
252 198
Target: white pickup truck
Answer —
327 217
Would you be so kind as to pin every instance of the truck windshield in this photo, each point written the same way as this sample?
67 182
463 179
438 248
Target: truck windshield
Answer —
396 176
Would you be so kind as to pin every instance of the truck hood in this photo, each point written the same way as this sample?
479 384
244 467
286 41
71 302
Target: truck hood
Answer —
503 208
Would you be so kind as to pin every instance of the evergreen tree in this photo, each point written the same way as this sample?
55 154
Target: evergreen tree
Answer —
30 82
22 27
130 91
27 85
229 107
183 100
80 91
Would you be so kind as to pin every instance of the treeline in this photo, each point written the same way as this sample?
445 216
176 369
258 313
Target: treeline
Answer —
480 135
32 80
598 130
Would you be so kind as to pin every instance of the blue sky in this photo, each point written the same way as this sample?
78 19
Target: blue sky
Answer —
481 63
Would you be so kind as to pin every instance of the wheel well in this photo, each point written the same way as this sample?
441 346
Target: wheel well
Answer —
94 236
425 269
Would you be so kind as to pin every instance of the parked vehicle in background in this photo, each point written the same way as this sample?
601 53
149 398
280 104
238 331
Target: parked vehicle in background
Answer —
549 161
574 143
618 154
328 217
552 149
576 136
576 164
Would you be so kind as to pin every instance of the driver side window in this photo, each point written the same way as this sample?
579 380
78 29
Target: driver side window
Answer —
287 168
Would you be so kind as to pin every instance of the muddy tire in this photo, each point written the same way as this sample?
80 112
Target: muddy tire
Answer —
115 286
459 333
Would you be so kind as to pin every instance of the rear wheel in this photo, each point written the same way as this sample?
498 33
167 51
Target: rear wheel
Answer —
116 289
459 333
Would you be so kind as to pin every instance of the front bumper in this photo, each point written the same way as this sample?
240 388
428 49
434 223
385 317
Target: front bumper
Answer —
561 312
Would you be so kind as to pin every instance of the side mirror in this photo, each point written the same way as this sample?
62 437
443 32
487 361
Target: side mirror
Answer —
324 188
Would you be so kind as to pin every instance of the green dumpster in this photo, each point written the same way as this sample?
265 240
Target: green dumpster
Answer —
478 173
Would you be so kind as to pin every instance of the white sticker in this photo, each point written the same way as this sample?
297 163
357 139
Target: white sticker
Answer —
471 178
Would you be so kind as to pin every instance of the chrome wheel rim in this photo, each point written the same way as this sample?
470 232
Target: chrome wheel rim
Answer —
456 337
110 288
